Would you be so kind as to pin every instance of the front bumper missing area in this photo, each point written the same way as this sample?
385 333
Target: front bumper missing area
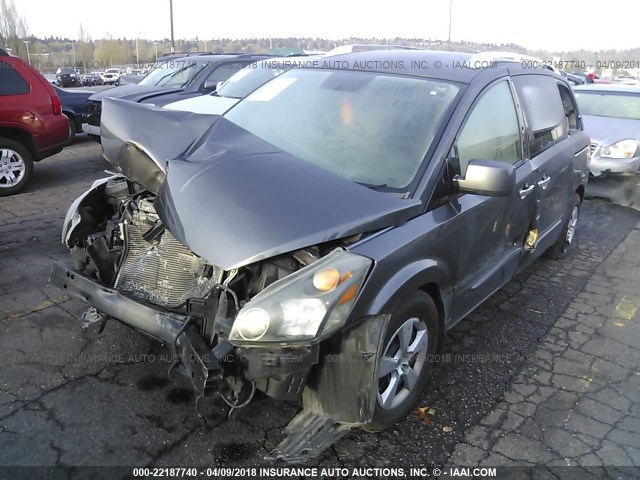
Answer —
200 364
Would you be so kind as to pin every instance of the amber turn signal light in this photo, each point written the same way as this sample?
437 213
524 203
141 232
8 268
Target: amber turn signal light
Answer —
326 280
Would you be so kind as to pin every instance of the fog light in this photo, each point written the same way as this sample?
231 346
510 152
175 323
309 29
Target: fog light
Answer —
253 324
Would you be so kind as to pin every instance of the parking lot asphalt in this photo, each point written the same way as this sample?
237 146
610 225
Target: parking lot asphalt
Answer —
545 372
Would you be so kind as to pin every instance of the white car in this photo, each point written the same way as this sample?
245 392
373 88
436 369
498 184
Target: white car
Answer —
238 86
111 76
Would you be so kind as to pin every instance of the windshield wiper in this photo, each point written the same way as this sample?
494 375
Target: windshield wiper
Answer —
372 186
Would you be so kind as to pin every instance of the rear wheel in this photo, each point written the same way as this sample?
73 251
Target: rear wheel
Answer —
403 367
73 129
16 167
567 238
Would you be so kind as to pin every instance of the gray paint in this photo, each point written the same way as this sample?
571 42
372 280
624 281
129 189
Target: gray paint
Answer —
606 130
237 200
166 134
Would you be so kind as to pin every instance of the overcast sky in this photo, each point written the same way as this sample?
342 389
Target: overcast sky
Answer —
543 24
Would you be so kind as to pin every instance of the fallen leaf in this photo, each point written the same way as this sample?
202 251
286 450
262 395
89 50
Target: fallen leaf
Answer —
425 414
447 429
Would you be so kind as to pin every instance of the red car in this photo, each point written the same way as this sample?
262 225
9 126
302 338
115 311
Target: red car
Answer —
32 126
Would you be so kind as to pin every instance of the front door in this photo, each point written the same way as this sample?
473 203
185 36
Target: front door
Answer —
492 229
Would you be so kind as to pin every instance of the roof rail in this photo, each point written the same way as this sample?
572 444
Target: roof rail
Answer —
186 54
489 56
367 47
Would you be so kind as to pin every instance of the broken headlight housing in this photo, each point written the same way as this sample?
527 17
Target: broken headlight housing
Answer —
620 150
309 304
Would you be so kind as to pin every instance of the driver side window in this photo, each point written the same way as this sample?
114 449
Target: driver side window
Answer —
492 131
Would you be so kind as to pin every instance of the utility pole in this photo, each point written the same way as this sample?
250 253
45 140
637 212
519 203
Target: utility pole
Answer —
26 42
73 47
205 45
156 44
173 43
450 11
137 51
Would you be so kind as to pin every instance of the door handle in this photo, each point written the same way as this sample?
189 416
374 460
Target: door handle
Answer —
544 183
526 190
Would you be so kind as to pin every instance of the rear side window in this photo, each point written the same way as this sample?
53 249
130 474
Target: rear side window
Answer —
492 131
543 110
11 82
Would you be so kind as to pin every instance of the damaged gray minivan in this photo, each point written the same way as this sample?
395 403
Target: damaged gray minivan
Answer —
317 240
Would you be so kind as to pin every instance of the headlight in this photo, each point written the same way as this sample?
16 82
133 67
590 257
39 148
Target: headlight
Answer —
622 149
309 304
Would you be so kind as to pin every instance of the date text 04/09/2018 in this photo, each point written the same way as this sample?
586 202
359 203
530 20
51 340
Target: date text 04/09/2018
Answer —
307 472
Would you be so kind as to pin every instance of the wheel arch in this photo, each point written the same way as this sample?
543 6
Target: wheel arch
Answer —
433 290
72 116
427 275
23 137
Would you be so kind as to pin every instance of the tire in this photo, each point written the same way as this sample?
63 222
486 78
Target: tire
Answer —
567 238
16 167
418 313
73 129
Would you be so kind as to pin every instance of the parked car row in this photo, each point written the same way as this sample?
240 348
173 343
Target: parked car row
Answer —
172 79
312 232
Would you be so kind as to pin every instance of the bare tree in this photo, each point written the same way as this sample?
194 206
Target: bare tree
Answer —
85 48
13 28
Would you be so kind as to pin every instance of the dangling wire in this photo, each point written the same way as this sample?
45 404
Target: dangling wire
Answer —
236 406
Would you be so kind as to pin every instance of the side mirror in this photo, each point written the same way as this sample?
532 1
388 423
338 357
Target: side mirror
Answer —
487 177
211 85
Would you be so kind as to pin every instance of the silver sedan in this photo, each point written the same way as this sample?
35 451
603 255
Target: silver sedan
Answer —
611 117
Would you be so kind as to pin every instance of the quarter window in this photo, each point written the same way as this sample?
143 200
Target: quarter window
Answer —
543 111
11 82
491 131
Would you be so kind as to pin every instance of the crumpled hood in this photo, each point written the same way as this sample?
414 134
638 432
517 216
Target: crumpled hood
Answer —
133 92
606 130
234 199
133 134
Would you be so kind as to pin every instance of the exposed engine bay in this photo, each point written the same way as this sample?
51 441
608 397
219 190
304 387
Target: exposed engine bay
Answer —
120 241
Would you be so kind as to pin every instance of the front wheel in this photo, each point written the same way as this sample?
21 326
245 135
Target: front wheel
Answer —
403 366
16 167
567 237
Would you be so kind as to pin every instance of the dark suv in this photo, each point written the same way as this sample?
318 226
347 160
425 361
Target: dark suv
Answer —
318 239
172 79
67 77
32 125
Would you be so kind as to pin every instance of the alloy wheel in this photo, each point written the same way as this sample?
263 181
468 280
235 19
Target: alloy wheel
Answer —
12 168
401 363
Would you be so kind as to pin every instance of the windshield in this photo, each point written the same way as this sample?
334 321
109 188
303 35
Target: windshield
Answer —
609 104
173 73
251 77
370 128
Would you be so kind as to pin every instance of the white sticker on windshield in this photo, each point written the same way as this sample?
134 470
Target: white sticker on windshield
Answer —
271 90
